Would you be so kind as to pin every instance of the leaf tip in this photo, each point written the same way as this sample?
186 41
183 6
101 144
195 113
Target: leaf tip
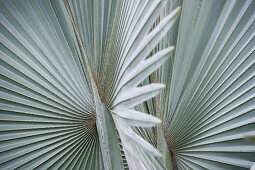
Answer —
178 9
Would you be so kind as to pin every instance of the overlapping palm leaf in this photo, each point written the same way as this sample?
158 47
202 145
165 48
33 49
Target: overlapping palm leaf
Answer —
54 68
75 92
208 105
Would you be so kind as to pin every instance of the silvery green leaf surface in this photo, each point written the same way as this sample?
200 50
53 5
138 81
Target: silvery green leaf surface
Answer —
207 106
127 84
47 111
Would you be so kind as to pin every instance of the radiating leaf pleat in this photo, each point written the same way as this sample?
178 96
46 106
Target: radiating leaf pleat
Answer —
212 91
47 114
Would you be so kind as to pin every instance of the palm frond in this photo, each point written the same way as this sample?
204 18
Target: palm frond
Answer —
98 85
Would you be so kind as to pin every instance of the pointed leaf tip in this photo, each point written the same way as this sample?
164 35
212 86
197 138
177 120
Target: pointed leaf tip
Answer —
136 118
178 9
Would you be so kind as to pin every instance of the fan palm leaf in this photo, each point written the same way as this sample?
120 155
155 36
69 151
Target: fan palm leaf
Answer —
99 84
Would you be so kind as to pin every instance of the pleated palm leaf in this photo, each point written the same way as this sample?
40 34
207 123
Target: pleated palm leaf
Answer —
75 91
